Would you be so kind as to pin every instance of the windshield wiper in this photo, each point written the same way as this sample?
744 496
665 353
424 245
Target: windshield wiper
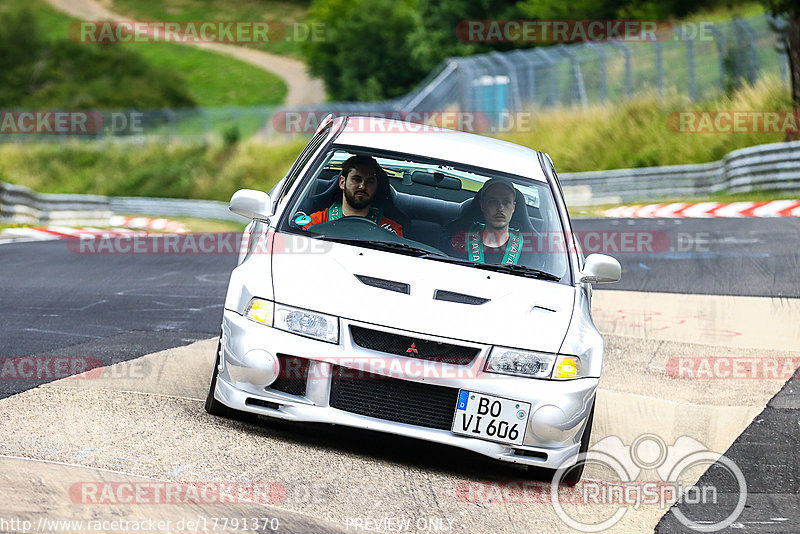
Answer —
402 248
527 271
521 270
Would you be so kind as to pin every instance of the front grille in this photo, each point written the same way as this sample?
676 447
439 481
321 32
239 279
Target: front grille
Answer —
293 375
392 399
411 347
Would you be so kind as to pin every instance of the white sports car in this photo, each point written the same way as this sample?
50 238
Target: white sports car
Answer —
421 282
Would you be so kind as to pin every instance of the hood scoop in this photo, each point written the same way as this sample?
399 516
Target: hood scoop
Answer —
380 283
450 296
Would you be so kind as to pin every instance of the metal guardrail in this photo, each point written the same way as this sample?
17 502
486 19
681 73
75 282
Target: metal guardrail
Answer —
772 167
174 207
20 205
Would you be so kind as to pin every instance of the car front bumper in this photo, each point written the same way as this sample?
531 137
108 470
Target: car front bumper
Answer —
559 409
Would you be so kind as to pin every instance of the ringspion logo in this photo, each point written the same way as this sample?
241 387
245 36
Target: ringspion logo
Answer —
646 472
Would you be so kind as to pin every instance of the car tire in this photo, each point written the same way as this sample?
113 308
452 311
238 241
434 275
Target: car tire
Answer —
212 405
574 473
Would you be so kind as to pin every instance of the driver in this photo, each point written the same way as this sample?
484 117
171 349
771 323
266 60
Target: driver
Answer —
358 182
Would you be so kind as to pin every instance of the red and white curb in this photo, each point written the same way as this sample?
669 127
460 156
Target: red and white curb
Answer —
124 227
49 233
163 225
774 208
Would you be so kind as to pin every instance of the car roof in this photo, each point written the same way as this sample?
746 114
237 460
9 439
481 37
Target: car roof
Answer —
440 143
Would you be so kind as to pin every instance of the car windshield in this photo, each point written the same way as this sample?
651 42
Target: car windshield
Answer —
432 210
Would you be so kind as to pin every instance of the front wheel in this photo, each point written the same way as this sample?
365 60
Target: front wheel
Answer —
573 473
212 405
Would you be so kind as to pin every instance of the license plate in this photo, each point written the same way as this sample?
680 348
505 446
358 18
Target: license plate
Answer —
491 418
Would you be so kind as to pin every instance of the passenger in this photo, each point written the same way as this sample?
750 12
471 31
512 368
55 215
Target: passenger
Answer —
359 183
492 241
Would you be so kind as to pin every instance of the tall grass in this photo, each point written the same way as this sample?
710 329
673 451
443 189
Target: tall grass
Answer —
180 170
637 133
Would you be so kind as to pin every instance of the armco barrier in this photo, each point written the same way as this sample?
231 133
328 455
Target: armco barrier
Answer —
20 205
174 207
772 167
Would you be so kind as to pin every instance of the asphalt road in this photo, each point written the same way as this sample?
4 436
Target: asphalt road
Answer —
113 307
752 257
116 308
55 302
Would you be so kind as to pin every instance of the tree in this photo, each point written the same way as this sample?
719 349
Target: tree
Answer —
435 37
365 54
790 34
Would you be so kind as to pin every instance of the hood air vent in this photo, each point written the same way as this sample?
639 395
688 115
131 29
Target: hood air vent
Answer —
389 285
461 298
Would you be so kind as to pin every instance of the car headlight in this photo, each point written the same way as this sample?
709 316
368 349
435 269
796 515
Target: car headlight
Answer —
508 361
306 323
294 320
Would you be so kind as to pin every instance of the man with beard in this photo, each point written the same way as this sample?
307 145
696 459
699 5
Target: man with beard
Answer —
492 241
359 183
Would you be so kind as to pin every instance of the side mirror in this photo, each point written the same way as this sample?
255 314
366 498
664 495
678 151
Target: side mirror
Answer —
251 204
600 269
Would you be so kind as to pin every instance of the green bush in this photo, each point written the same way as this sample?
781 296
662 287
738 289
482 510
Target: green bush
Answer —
37 72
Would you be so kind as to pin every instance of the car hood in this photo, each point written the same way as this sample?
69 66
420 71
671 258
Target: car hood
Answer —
520 312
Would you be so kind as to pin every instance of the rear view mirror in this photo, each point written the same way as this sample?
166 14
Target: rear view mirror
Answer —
600 269
251 204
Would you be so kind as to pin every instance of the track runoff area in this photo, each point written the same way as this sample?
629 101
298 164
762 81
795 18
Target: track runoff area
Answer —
696 399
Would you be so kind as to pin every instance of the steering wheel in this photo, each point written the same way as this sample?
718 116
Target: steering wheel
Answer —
357 219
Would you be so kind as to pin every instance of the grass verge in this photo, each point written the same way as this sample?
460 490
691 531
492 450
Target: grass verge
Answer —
291 14
213 80
176 170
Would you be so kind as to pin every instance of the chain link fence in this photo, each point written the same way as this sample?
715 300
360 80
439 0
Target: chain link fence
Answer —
699 60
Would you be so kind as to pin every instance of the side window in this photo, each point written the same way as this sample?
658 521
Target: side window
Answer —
299 165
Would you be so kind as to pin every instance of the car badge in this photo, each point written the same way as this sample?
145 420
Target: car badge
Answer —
412 349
